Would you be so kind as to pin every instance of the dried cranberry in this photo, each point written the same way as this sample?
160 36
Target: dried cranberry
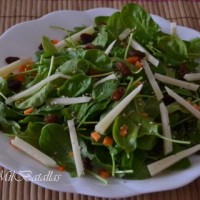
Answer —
123 68
168 99
86 38
14 85
119 92
51 118
40 47
89 46
134 52
87 164
182 70
11 59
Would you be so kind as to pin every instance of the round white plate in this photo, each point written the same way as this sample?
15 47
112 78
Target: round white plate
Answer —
22 40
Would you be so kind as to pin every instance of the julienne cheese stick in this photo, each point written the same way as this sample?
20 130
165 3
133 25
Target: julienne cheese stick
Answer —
33 152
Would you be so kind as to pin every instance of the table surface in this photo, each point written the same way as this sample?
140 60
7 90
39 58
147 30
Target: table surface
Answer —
183 12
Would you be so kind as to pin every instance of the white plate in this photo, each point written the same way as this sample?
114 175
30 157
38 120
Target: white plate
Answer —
22 40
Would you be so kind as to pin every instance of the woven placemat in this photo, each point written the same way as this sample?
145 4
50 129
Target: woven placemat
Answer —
184 12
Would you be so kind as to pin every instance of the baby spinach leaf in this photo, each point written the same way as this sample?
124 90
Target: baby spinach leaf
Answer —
74 66
173 48
194 48
55 142
136 18
3 86
116 25
101 20
104 90
128 142
32 133
36 99
98 60
102 38
78 110
75 86
146 142
48 46
42 73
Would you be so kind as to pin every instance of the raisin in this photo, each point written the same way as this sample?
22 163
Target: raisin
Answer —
87 164
40 47
11 59
119 92
182 70
168 99
134 52
89 46
51 118
14 85
123 68
86 38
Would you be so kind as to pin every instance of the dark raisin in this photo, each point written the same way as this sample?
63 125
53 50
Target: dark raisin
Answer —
123 68
11 59
134 52
14 85
89 46
40 47
87 164
86 38
168 99
51 118
119 92
182 70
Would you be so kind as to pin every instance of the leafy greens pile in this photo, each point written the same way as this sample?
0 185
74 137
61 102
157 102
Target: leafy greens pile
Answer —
104 67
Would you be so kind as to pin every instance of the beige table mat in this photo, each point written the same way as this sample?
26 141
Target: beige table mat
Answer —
186 13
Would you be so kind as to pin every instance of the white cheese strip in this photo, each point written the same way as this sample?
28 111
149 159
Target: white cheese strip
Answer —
192 77
109 48
183 102
104 123
34 88
75 148
154 61
124 34
75 37
161 165
168 147
6 70
176 82
152 80
33 152
69 101
173 28
110 77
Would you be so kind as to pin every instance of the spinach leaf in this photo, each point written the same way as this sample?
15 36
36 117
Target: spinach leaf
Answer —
102 37
116 25
78 111
98 60
42 73
48 46
3 86
173 48
55 142
32 133
75 86
137 19
194 48
101 20
74 66
127 141
104 90
36 99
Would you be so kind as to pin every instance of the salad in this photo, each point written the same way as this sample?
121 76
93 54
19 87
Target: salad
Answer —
119 99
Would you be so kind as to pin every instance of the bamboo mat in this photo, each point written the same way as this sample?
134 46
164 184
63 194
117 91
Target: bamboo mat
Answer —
184 12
